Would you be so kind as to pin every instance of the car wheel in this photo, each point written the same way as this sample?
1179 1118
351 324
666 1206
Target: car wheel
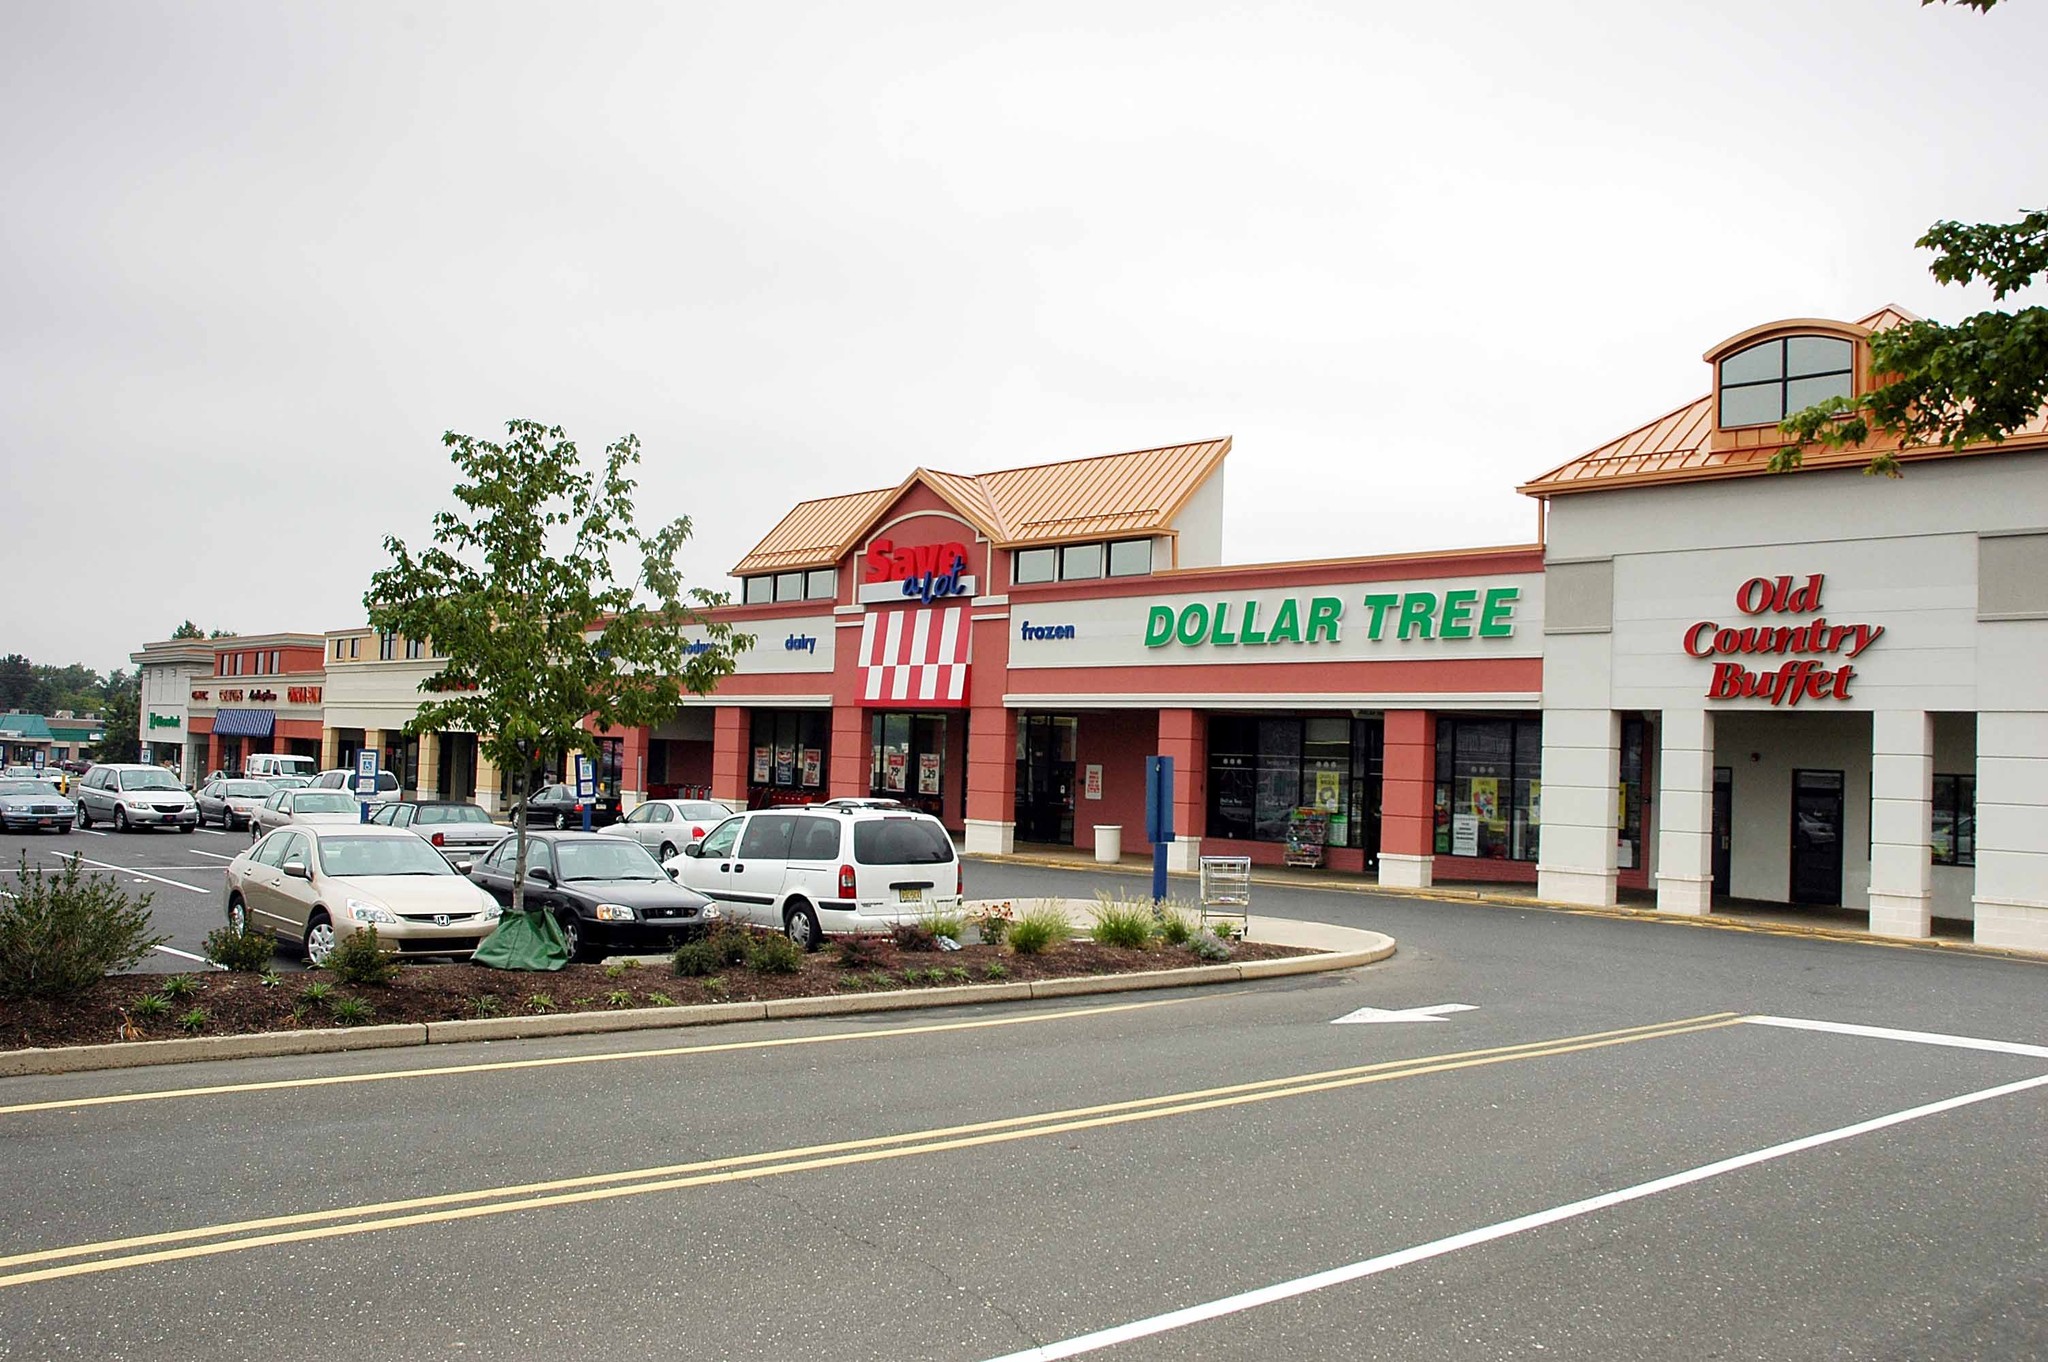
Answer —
801 923
84 815
561 821
572 933
120 819
668 852
238 916
192 826
319 937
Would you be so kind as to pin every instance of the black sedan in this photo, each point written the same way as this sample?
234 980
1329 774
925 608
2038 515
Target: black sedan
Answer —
609 895
556 806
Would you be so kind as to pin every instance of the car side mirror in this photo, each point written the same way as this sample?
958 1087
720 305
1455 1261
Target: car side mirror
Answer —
297 870
694 849
539 876
673 871
462 867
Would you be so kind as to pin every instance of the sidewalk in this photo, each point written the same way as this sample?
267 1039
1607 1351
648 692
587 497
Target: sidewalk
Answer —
1835 924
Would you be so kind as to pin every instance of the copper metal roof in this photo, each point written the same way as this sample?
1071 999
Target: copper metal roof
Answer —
1138 492
1678 446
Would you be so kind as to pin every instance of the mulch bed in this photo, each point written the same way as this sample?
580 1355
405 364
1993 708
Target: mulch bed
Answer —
238 1003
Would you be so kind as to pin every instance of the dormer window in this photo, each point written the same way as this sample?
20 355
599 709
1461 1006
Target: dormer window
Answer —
1763 384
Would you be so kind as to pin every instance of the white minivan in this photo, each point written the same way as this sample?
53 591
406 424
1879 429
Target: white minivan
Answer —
819 871
277 764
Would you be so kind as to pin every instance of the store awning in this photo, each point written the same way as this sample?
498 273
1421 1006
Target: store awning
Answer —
245 723
915 657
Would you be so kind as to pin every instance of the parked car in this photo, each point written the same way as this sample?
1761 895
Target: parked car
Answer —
557 806
609 895
130 795
287 782
327 807
459 831
34 806
20 771
826 870
666 826
52 773
317 884
231 803
266 764
387 784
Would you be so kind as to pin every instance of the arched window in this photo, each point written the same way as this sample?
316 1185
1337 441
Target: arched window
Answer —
1762 384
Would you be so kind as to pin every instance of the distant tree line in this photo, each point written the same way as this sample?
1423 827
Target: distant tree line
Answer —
36 688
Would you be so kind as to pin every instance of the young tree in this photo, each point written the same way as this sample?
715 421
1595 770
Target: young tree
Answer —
519 595
1975 382
188 630
122 715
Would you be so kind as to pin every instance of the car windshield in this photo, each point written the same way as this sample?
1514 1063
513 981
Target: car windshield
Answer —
901 841
607 860
149 780
27 787
21 773
452 813
322 801
406 855
249 789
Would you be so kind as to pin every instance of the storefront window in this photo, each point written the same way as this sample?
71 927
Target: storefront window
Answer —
760 590
908 759
821 584
1488 787
1080 562
1629 851
787 756
1263 769
1955 820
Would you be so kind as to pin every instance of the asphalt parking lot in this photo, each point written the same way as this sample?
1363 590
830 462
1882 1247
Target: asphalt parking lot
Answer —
184 874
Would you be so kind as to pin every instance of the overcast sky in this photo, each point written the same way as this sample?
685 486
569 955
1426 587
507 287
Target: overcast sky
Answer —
258 257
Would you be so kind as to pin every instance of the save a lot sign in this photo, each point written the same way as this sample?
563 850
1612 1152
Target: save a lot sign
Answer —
1443 618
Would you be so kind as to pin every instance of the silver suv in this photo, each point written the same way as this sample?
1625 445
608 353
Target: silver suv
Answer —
134 796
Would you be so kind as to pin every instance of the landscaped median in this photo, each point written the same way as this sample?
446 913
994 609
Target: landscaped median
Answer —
738 976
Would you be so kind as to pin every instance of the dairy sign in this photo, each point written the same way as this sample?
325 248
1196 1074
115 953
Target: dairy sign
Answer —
919 573
1445 618
1780 617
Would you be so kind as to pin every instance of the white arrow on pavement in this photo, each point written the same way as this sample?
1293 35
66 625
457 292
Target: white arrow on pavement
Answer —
1404 1014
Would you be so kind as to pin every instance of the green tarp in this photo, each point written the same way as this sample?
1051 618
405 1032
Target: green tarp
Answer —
531 940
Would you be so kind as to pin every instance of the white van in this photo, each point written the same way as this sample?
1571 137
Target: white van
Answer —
278 764
824 870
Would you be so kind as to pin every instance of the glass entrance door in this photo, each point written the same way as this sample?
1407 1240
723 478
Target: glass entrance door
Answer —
1724 823
1817 837
1045 778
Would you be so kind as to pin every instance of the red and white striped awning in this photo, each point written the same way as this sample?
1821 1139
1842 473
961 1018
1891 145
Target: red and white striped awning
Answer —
916 655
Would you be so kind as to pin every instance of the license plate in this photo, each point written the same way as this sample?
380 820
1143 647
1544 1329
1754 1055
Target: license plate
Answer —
910 896
42 822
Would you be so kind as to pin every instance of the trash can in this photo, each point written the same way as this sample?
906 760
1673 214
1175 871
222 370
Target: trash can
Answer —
1109 842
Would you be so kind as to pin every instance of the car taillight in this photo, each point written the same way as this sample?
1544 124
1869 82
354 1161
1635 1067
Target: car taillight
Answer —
959 879
846 885
696 834
439 839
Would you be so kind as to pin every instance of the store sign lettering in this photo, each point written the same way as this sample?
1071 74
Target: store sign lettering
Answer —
1044 633
1397 616
918 572
157 720
1800 678
303 695
800 643
230 697
262 695
199 695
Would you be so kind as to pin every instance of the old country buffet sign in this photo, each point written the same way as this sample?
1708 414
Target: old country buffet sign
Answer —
1803 675
915 572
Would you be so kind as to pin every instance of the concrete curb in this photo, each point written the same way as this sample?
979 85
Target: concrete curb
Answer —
137 1054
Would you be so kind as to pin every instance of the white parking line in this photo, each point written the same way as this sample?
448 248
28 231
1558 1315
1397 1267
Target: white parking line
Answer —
1437 1248
175 884
213 832
92 832
2002 1047
214 854
187 955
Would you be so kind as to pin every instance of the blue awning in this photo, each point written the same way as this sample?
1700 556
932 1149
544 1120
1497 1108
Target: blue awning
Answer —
245 723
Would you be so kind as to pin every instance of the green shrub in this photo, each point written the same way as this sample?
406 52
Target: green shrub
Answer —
360 958
193 1022
541 1002
859 952
717 989
60 933
271 979
1175 926
484 1005
913 936
696 959
316 992
1122 923
660 1000
941 924
615 970
1039 929
149 1006
243 952
1209 946
993 922
995 969
774 953
351 1011
178 986
957 975
619 997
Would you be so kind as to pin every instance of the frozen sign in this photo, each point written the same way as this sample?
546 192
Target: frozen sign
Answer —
1817 651
915 572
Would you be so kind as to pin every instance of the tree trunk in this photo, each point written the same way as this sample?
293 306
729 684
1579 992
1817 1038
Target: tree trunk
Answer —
519 831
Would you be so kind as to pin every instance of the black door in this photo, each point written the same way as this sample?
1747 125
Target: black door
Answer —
1045 778
1817 837
1724 820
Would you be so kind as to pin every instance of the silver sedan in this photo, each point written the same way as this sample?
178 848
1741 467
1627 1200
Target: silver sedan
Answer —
231 803
34 805
667 826
304 806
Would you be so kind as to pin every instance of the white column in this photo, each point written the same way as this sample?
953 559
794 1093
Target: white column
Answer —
1581 771
1901 822
1685 813
2011 898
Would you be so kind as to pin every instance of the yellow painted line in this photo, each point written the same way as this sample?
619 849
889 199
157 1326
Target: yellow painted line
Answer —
576 1191
561 1061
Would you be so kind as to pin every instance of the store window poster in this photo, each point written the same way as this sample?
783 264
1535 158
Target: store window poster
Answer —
1486 798
785 766
928 773
762 760
894 767
1326 791
814 766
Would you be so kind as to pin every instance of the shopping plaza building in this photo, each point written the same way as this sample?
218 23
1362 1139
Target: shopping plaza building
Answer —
1704 682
